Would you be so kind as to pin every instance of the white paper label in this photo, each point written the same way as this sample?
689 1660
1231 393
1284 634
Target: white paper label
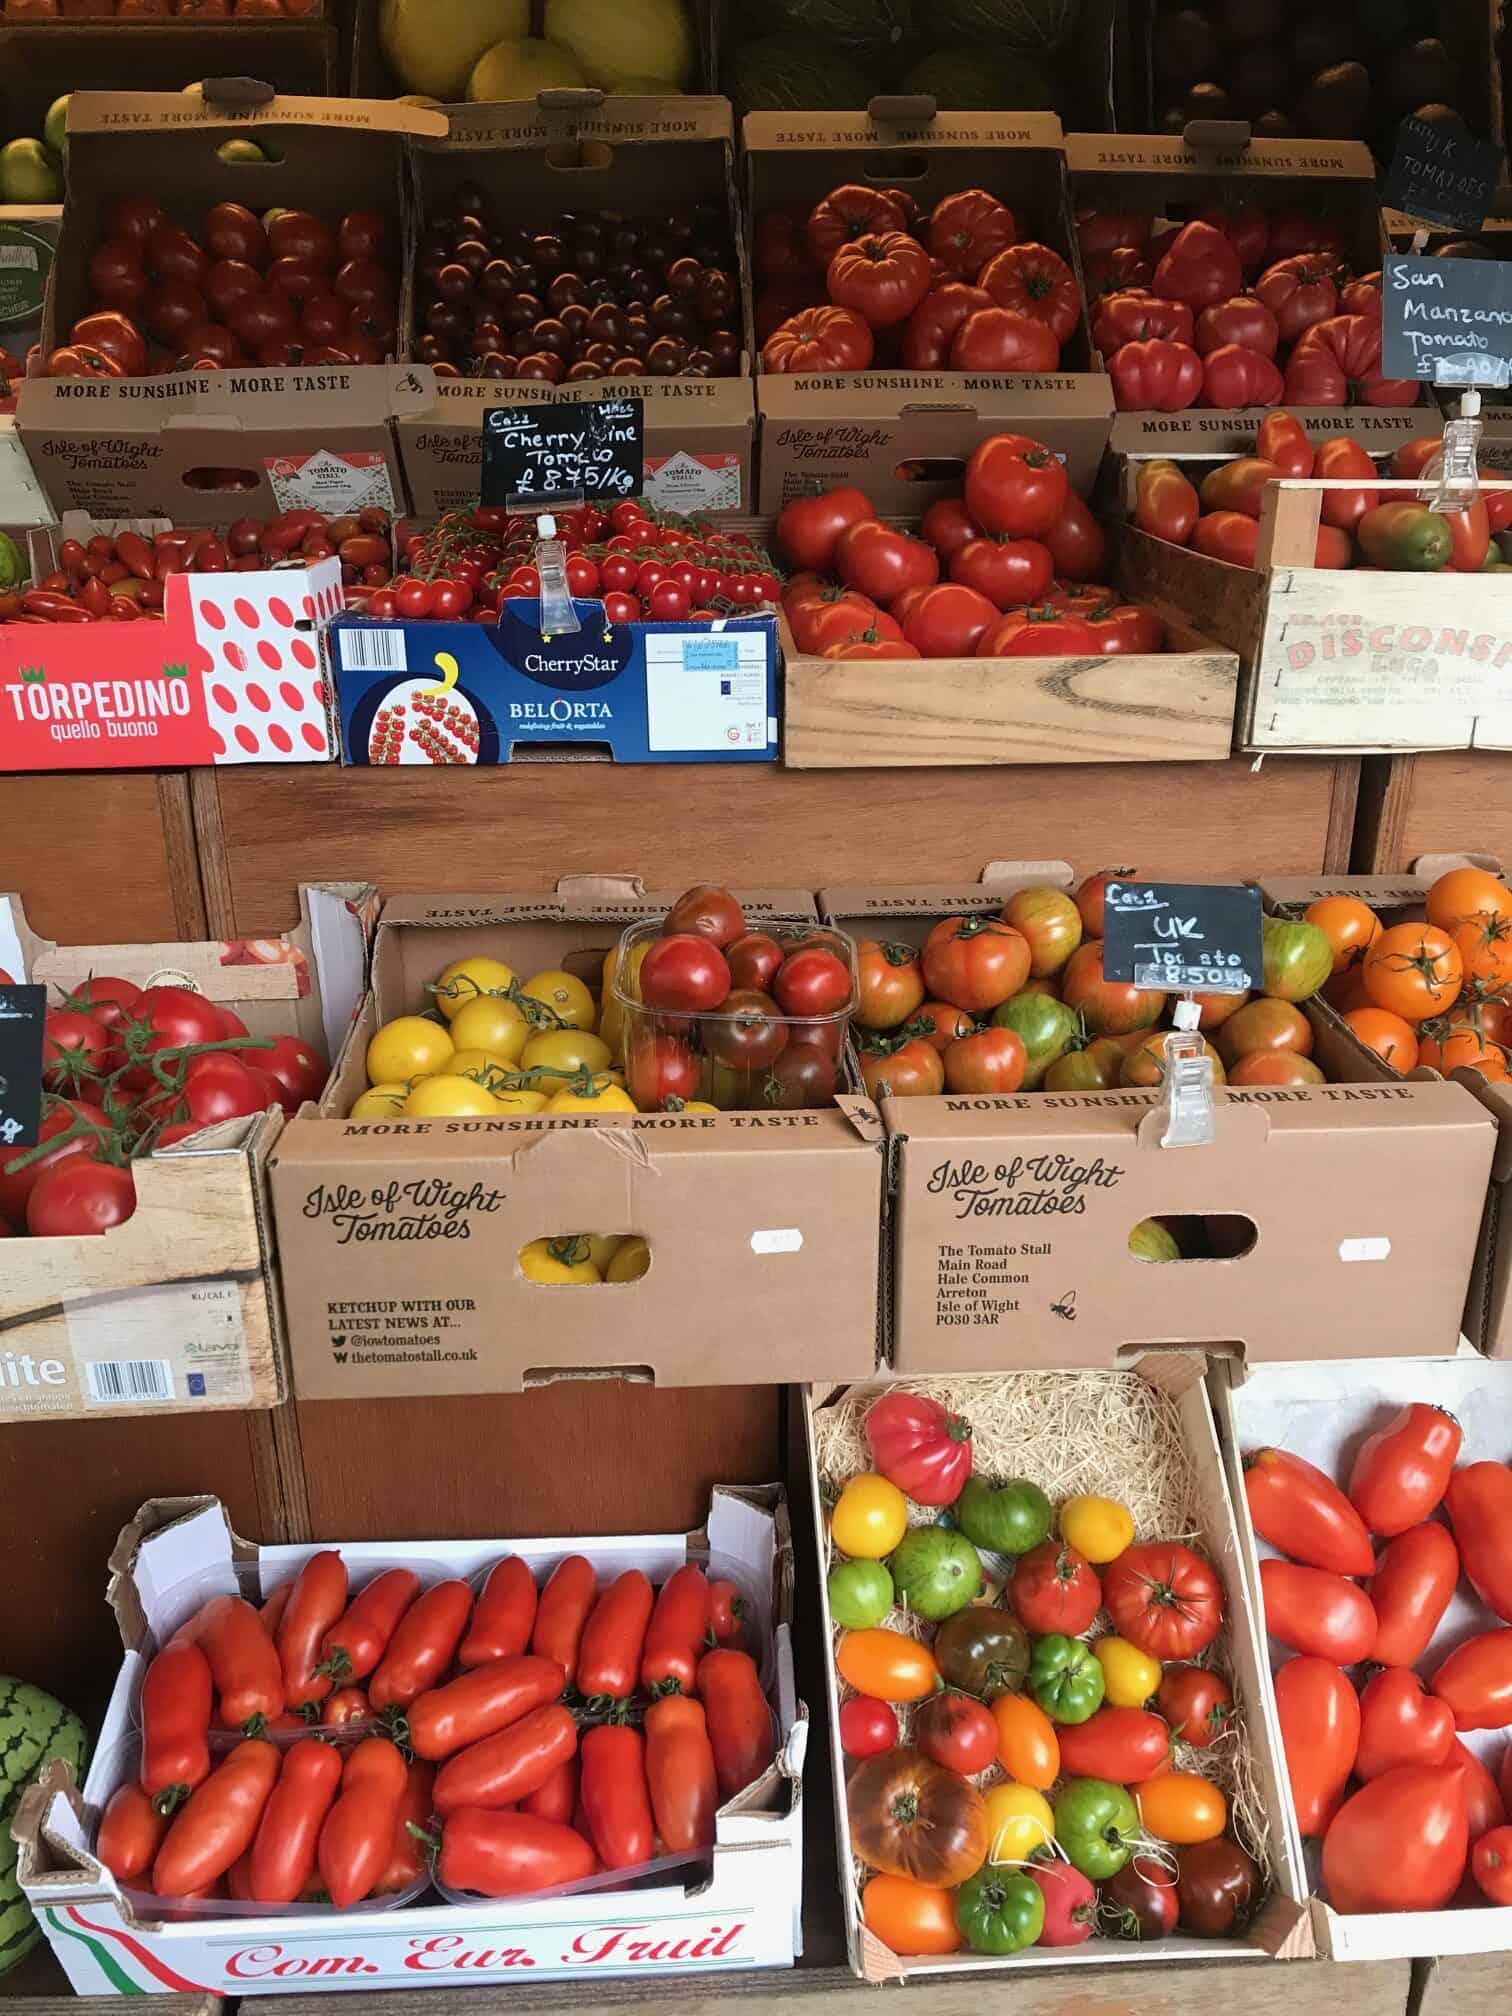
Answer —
1364 1249
118 1339
788 1240
692 483
326 481
706 689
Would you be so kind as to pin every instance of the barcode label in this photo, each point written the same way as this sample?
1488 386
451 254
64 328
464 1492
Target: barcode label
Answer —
373 650
115 1379
19 255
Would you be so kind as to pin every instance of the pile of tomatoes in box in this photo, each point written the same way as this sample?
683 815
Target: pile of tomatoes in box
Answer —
1362 527
1007 570
283 289
865 278
1420 1789
123 575
1233 309
641 564
127 1070
1040 1798
1018 1001
506 1726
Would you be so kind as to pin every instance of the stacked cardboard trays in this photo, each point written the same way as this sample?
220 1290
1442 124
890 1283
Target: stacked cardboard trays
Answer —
642 157
177 1309
1398 899
905 436
739 1908
214 446
399 1240
1010 1214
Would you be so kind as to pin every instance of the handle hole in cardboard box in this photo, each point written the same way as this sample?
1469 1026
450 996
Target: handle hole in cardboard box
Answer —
931 469
1190 1236
897 166
584 1259
221 479
567 157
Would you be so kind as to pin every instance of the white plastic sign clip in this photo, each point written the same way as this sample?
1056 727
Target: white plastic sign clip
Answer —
1187 1097
1458 487
558 617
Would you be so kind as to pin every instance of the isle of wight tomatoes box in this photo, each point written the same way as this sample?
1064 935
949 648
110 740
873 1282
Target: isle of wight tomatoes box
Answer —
400 1240
739 1909
1010 1214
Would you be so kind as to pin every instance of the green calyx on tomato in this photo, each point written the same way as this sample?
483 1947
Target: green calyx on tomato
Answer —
1047 1028
1066 1679
998 1911
1007 1518
935 1571
1097 1824
860 1594
983 1652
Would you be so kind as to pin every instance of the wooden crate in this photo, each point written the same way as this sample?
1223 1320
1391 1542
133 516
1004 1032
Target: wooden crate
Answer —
1410 806
1342 659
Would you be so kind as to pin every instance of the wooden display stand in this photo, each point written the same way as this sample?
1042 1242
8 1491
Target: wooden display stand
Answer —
1432 804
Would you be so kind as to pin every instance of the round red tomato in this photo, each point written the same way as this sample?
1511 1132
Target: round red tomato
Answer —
957 1731
808 527
947 620
79 1196
882 562
867 1727
218 1086
75 1052
659 1068
1164 1598
753 960
1001 339
1054 1588
1010 573
948 525
901 1069
883 277
1015 485
299 1068
993 1060
748 1031
684 972
815 982
59 1117
975 963
1197 1704
108 999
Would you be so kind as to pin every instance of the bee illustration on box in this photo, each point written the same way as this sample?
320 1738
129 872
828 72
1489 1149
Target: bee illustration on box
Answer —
1065 1307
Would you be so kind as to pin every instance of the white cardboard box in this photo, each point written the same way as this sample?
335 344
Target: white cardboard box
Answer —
1322 1410
747 1914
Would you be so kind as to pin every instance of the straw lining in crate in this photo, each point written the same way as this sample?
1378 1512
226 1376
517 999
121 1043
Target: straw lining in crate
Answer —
1116 1433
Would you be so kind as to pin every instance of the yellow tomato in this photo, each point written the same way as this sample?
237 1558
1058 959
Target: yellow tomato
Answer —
565 1050
1130 1676
631 1261
380 1102
697 1106
870 1517
465 979
558 1263
566 997
445 1096
1181 1807
520 1102
1100 1528
611 1013
493 1025
486 1065
602 1247
408 1047
604 1096
1019 1820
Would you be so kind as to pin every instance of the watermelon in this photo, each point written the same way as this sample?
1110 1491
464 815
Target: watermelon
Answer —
866 27
796 73
970 80
1005 24
34 1728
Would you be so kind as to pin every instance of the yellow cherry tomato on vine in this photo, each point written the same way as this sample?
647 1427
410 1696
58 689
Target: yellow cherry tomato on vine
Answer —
411 1046
599 1094
870 1517
566 998
379 1102
558 1263
565 1050
491 1024
1100 1528
445 1096
467 980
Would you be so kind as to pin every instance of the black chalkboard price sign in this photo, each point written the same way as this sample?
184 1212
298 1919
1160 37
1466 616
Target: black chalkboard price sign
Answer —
588 449
1447 321
1442 174
1180 936
22 1011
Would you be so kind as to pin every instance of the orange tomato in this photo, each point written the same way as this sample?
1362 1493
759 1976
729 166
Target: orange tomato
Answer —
1144 1061
1265 1025
910 1917
1387 1034
1028 1747
1488 1008
1467 892
1485 947
1350 926
1181 1807
1415 970
1275 1067
1215 1009
1451 1046
887 1665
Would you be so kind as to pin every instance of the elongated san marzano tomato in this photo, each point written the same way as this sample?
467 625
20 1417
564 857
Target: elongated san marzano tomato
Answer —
511 1854
1479 1501
421 1648
1319 1713
680 1773
243 1661
1304 1514
506 1767
1313 1611
219 1821
1476 1681
478 1703
563 1611
557 1799
505 1615
1411 1588
1400 1475
283 1853
131 1832
358 1836
354 1644
407 1856
677 1634
318 1598
616 1798
609 1656
740 1722
176 1697
272 1611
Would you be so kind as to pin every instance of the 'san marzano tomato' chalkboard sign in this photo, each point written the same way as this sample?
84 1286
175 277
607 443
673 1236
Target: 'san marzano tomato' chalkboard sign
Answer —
22 1012
1183 936
1448 321
537 456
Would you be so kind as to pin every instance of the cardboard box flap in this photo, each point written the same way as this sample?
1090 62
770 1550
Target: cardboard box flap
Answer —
585 899
1155 155
1073 395
241 399
771 132
1296 892
578 1146
116 112
629 121
999 880
170 1541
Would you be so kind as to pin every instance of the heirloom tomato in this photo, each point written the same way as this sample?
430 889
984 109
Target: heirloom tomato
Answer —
1036 281
1007 1518
968 229
1054 1588
887 1665
1197 1703
911 1817
975 963
870 1517
883 277
982 1650
1217 1884
954 1730
910 1918
1164 1598
1097 1825
1108 1007
1000 1912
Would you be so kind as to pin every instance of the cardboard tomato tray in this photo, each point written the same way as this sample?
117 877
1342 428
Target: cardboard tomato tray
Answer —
764 1227
411 691
739 1908
176 1310
905 436
1111 1432
238 671
1487 1319
1010 1214
1173 178
213 446
577 150
1322 1412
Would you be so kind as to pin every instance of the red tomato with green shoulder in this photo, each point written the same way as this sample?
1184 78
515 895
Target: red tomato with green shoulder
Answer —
883 562
1054 1588
990 1060
894 1067
975 963
920 1446
1015 485
1009 573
